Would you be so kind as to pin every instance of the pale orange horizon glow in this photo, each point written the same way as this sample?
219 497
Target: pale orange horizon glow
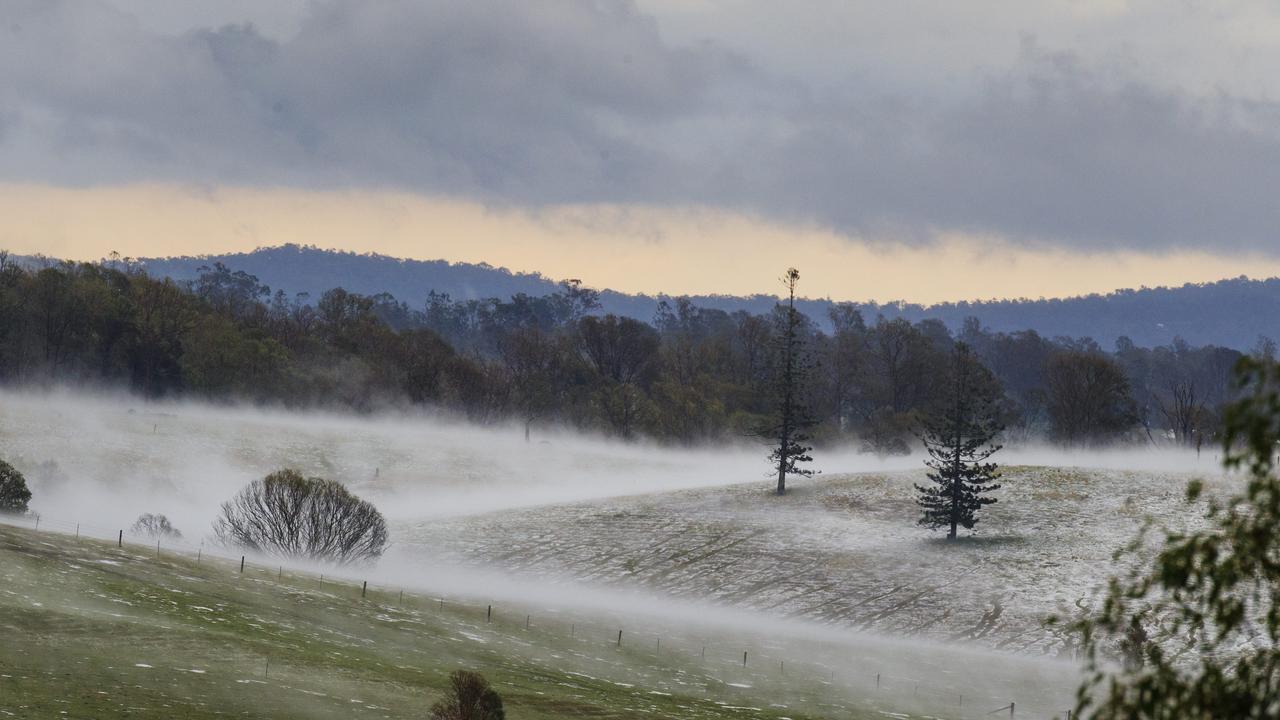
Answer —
626 248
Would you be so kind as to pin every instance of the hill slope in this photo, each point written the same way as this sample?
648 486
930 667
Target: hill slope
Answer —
1231 312
93 631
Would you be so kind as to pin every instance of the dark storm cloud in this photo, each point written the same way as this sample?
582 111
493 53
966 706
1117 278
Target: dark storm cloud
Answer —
530 104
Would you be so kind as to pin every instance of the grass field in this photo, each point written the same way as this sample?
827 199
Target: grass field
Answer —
844 606
91 631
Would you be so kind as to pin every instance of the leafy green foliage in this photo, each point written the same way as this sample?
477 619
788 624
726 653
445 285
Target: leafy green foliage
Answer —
1214 593
14 494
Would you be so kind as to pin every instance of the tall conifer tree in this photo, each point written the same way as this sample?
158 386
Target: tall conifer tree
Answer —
791 375
959 440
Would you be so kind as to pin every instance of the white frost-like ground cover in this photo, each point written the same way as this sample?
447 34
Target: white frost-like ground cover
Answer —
678 542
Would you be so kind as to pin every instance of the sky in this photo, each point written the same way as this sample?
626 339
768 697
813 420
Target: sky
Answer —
908 150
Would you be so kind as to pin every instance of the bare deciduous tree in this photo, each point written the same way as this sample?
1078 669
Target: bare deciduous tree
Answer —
470 697
154 526
1183 409
288 515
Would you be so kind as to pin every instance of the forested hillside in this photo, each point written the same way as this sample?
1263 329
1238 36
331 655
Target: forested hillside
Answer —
1200 314
693 374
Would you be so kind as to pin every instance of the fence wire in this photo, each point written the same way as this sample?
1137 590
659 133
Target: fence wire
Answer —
754 658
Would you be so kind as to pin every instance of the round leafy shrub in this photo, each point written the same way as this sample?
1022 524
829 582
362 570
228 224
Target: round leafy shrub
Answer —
14 494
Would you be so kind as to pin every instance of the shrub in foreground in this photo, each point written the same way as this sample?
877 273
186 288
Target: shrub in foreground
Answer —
469 697
291 516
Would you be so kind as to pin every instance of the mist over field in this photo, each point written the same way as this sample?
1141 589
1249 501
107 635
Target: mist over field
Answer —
109 457
565 525
478 510
701 360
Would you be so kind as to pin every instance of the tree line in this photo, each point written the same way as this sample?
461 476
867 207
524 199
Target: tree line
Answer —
690 375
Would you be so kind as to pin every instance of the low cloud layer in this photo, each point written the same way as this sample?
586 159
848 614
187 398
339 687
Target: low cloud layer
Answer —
534 105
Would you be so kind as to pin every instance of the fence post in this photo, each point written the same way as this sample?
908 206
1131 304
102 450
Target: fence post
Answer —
364 588
401 600
488 616
157 547
526 622
77 531
744 658
877 681
120 540
241 564
1011 706
280 573
619 638
37 522
199 552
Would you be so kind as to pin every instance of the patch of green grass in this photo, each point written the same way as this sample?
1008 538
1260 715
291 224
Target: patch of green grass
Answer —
92 631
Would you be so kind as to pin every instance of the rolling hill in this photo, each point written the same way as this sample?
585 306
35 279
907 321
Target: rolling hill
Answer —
1231 312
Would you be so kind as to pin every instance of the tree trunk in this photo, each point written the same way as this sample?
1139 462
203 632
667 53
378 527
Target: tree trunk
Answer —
956 448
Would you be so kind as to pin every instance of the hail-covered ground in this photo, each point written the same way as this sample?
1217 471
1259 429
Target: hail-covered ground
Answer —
839 601
842 551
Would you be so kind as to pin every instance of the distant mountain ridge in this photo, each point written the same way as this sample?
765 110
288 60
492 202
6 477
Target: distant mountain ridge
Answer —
1232 312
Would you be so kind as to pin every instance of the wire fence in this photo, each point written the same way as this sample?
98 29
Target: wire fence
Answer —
725 665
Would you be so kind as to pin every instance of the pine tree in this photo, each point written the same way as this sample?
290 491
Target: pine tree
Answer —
959 441
793 418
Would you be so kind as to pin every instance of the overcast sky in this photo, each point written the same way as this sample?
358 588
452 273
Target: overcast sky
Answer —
1088 128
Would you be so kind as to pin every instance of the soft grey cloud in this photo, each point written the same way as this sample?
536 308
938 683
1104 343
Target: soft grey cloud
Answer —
530 104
